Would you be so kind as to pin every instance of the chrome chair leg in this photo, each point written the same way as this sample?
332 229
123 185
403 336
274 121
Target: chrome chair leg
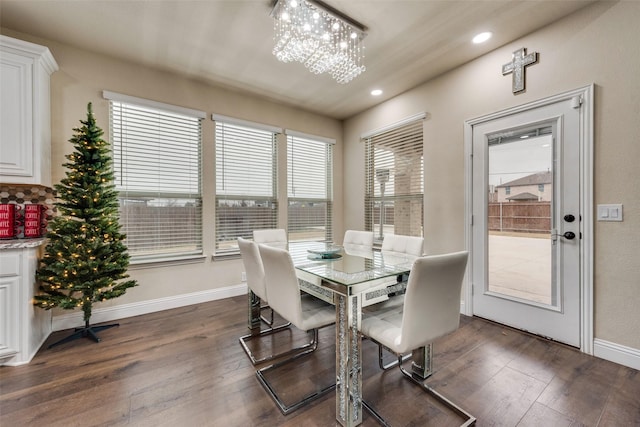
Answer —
375 414
389 365
268 322
255 318
470 420
254 360
284 408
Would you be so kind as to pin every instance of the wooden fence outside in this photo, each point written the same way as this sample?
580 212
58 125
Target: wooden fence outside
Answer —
523 217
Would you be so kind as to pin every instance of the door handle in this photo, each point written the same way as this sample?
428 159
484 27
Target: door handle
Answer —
569 235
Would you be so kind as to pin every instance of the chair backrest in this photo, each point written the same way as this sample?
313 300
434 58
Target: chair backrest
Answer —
406 245
253 267
432 302
276 237
358 240
282 284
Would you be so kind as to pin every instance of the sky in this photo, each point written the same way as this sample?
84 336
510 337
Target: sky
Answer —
513 160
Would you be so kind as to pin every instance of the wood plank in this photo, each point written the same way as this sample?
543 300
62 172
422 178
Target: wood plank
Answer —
185 367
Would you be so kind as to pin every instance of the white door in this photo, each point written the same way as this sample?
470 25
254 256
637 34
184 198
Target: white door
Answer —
526 225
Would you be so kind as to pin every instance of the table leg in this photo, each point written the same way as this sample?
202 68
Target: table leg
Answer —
254 313
422 365
348 361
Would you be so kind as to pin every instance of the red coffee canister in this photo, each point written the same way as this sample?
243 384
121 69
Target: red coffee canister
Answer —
7 221
33 220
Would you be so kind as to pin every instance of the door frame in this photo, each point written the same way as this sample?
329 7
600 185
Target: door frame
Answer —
582 97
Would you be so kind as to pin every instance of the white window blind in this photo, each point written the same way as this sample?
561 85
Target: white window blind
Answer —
156 158
309 183
394 179
246 187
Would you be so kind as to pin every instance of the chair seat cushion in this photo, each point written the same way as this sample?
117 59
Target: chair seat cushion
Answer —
316 313
383 322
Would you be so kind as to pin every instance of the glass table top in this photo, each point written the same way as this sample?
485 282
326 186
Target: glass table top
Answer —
347 267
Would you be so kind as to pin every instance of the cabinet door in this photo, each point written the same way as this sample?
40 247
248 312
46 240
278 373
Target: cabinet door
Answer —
8 316
10 267
16 126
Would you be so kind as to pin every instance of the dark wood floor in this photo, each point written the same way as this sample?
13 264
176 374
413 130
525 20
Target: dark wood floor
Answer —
184 367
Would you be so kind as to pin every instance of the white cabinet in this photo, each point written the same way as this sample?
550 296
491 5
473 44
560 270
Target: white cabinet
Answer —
25 122
8 292
23 327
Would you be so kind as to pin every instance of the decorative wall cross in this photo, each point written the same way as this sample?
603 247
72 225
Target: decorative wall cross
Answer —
519 61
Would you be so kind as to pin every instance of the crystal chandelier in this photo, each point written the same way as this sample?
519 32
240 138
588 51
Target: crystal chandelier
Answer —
320 37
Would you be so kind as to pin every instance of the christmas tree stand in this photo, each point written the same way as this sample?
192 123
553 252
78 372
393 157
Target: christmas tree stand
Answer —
87 331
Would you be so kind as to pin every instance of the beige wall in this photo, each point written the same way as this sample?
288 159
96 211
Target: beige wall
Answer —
596 45
81 79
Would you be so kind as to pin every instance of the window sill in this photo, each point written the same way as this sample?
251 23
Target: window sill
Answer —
225 257
166 262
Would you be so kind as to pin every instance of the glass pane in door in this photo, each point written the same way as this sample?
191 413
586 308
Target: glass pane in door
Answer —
520 216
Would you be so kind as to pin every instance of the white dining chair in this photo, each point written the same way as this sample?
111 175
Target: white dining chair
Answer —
402 245
358 240
431 309
396 246
304 312
258 292
276 237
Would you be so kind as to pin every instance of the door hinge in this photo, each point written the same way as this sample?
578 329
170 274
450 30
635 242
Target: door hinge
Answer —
576 101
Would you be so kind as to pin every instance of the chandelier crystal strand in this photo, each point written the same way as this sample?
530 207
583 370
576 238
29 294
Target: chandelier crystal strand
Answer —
322 41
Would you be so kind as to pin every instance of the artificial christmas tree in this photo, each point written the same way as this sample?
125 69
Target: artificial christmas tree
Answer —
85 260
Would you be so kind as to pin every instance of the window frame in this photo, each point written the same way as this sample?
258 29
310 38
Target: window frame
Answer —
146 254
327 199
228 246
393 132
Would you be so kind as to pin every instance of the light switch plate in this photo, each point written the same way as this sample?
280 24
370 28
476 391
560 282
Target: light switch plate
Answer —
610 212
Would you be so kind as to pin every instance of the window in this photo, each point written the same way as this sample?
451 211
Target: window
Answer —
246 189
309 183
507 190
156 161
541 188
394 183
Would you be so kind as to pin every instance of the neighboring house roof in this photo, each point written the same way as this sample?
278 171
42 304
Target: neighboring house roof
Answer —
536 178
523 196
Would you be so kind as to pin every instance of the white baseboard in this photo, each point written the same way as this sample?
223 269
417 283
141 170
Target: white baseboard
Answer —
108 314
17 361
617 353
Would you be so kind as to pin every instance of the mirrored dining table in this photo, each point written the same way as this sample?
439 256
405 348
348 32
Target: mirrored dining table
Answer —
351 279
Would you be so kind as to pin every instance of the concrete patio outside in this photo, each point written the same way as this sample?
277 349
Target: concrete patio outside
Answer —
520 265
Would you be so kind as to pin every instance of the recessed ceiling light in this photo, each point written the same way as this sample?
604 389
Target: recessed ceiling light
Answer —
482 37
376 92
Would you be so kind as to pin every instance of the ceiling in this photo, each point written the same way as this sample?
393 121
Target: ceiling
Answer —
229 43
